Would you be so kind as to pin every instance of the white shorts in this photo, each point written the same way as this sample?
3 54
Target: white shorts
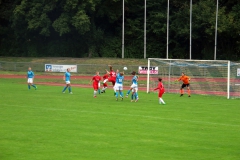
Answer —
30 80
118 86
67 82
134 89
134 86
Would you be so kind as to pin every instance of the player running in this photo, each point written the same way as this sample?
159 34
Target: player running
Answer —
30 78
161 91
66 77
95 82
112 77
185 79
105 76
134 86
119 85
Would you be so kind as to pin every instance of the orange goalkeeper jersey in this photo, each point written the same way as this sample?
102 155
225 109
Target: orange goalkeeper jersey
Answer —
185 79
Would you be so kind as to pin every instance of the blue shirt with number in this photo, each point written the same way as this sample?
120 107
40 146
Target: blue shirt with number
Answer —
119 79
67 76
30 74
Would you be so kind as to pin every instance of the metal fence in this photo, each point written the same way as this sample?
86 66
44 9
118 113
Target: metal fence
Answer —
81 68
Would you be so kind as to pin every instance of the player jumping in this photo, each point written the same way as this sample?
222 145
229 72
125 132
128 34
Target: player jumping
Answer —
111 78
105 76
134 86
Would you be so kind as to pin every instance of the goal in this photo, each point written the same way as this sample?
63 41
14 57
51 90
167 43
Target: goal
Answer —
209 77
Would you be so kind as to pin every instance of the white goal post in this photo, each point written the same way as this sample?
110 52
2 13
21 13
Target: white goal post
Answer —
209 77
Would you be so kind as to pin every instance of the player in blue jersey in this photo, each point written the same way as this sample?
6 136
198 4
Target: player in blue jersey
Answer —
134 87
119 85
66 77
30 77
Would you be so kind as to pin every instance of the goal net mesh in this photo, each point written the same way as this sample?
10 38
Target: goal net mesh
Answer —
207 77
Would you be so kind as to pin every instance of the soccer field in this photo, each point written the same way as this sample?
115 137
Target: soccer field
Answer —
46 124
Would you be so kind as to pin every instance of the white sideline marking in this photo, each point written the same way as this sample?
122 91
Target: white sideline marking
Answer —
130 115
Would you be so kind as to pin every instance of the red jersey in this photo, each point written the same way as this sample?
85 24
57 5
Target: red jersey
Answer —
96 79
112 74
160 87
105 76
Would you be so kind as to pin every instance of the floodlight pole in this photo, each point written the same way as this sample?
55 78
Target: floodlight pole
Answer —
145 28
215 46
123 32
190 45
167 28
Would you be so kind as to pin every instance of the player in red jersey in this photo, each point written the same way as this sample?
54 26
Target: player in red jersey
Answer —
111 78
95 81
105 76
161 91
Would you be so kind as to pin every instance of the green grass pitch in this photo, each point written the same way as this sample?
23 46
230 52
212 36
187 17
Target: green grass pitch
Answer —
45 124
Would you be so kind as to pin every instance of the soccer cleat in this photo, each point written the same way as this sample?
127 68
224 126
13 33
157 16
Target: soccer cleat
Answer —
189 96
63 92
122 98
70 93
101 91
104 91
181 95
95 96
116 99
164 103
131 100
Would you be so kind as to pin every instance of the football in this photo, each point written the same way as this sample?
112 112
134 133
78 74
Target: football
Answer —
125 68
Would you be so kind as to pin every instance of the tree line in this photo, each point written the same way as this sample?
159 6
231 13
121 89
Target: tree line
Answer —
93 28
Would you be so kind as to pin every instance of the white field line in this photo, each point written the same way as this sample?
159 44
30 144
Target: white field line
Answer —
127 115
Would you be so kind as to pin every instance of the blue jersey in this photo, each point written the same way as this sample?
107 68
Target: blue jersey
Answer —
119 79
134 80
30 74
67 76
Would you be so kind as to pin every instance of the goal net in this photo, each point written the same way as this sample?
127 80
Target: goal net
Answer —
209 77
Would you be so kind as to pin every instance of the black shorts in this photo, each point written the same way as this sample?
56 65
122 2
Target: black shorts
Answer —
185 85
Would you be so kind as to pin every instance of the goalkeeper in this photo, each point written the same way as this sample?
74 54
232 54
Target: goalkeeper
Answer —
185 79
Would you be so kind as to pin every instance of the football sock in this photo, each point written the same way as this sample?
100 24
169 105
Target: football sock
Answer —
136 94
132 96
64 89
121 93
99 91
181 91
128 92
94 93
189 92
105 81
116 94
162 100
28 86
70 89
